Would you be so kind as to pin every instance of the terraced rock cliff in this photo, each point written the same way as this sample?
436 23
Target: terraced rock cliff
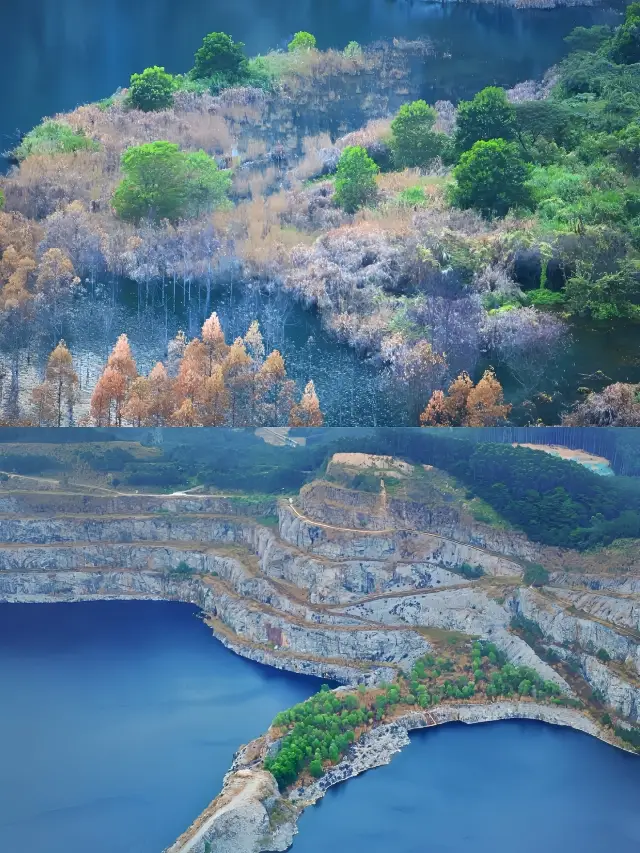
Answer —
347 584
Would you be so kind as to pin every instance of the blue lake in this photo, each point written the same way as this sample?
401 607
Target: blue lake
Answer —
509 787
118 721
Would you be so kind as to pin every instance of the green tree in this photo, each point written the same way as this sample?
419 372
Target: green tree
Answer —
588 39
625 46
220 56
353 50
151 90
414 142
302 41
2 199
315 768
606 295
488 116
549 119
628 148
491 178
162 182
355 183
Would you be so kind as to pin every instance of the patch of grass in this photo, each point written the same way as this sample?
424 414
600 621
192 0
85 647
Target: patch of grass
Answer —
486 514
53 137
542 296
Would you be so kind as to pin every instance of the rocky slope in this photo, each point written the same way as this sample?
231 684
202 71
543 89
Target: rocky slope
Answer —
349 586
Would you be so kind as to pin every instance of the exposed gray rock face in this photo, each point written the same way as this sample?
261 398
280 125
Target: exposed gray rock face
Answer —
625 585
155 528
623 612
468 610
565 629
399 546
617 692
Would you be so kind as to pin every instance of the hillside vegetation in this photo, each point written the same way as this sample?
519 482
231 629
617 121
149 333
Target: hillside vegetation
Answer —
439 241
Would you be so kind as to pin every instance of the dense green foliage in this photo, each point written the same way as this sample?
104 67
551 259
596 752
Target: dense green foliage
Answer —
53 137
321 730
625 46
584 143
151 90
491 178
302 41
414 142
33 463
162 182
111 459
220 56
355 183
489 115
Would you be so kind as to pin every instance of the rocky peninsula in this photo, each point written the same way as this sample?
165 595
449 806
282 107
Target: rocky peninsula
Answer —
377 588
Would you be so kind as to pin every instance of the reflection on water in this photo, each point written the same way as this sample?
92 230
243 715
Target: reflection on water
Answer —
353 391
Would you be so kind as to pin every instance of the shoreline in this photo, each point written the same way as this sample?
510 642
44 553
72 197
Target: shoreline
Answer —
249 815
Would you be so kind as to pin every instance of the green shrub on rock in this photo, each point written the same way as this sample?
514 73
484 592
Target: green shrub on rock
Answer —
151 90
414 143
302 41
355 183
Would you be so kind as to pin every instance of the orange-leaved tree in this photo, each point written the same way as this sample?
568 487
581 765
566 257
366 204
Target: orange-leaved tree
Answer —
58 391
307 412
467 404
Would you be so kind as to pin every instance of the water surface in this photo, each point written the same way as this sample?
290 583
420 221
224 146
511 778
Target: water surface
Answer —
65 52
492 788
118 721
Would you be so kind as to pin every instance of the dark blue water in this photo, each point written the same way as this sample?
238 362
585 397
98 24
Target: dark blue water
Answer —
118 721
60 53
511 787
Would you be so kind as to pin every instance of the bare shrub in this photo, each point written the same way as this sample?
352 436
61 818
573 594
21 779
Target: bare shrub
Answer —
526 341
446 117
615 405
